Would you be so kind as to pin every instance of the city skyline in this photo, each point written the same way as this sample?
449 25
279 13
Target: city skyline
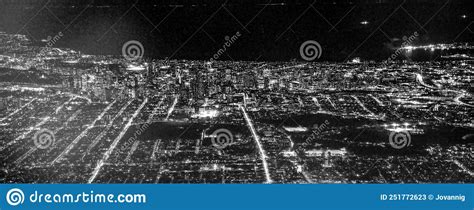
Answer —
320 108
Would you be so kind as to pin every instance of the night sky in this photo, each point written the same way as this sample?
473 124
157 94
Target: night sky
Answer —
270 29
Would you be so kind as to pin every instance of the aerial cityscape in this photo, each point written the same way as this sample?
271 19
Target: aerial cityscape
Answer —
69 116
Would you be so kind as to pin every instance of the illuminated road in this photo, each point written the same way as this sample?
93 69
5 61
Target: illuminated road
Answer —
34 148
132 150
149 121
376 100
332 103
172 107
315 100
362 105
37 126
295 162
419 78
259 144
79 96
83 133
153 113
156 147
19 109
464 168
115 143
458 101
106 129
31 129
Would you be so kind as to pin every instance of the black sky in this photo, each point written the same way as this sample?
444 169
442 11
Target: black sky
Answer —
271 30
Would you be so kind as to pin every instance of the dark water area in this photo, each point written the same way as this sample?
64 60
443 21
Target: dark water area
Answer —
197 29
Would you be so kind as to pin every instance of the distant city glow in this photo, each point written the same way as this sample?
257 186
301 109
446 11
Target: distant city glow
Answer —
434 47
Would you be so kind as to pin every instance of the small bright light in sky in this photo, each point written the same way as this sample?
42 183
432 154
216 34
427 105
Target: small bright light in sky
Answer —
464 16
364 22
